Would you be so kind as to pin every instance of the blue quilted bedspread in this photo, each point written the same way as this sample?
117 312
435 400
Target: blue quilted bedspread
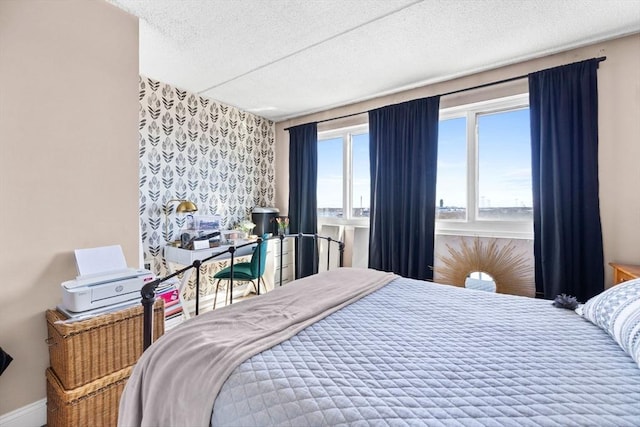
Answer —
417 353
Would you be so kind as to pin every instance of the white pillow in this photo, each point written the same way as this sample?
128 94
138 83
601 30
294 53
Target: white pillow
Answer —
617 311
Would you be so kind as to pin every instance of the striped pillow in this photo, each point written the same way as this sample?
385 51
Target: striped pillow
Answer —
617 311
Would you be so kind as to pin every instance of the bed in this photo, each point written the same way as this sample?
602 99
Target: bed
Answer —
362 347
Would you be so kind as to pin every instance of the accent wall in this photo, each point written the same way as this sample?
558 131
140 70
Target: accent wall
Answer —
198 149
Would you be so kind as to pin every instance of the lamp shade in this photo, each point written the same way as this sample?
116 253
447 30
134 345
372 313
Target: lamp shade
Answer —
186 206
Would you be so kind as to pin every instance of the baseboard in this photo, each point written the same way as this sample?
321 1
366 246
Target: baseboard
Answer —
33 414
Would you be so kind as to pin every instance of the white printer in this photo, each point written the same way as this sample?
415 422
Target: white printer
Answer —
103 280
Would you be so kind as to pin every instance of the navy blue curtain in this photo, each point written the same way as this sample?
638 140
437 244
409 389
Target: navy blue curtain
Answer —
403 154
303 183
566 213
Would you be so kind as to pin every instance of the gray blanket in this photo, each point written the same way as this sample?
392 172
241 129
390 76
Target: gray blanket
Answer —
418 353
176 380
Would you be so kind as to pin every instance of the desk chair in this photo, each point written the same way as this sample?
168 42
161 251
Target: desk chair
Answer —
244 271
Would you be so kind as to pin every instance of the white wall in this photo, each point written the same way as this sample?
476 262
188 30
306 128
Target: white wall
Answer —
619 127
68 163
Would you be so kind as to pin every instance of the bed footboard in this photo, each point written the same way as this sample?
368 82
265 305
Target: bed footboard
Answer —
148 291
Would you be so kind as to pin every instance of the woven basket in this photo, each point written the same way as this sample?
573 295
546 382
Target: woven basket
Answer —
83 351
93 404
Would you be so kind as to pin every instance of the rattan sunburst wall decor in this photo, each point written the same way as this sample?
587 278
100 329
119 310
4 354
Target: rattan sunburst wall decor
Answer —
508 267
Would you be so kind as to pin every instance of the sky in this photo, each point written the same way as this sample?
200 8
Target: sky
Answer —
504 164
330 161
504 155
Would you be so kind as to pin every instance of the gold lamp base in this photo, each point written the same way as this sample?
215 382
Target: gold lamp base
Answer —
185 206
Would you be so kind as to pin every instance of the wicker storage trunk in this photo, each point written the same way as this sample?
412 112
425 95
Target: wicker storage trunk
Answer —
93 404
84 351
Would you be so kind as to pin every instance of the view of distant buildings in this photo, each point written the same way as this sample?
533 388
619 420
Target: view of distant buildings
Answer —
337 212
499 214
521 213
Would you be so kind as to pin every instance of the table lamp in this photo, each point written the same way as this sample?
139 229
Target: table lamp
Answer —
185 206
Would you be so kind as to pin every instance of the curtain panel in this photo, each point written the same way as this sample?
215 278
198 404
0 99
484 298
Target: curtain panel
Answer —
303 183
403 155
566 214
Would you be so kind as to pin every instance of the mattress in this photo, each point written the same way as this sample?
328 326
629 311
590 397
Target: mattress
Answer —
418 353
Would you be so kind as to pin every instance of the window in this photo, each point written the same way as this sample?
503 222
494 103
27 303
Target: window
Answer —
361 181
504 166
330 177
343 174
484 169
451 189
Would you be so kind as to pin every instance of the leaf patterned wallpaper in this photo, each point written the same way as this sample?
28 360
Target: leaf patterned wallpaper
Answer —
195 148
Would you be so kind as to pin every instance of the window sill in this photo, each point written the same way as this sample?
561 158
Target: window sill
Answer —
355 222
504 230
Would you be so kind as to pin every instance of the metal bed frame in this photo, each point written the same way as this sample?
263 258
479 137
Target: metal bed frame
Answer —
148 291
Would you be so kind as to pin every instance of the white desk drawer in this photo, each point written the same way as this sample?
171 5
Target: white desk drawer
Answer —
286 259
286 272
285 279
286 244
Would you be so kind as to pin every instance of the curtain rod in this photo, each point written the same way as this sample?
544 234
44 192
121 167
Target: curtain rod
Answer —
453 92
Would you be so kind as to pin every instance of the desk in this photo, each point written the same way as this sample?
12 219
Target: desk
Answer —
185 257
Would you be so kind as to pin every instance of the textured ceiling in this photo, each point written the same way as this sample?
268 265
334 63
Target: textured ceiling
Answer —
285 58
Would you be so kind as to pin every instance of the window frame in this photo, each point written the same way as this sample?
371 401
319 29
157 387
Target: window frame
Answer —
346 133
472 225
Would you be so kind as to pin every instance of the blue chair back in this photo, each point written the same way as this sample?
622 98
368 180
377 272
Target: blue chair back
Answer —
259 253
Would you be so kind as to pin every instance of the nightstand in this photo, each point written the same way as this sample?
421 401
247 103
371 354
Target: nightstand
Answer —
624 272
